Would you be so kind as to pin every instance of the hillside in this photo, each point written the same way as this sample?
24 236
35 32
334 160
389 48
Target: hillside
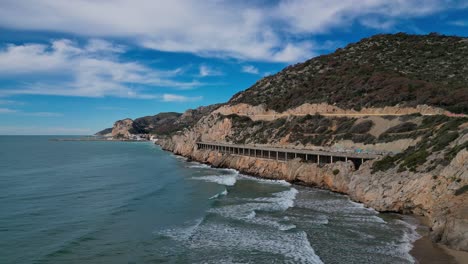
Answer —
161 124
104 132
392 96
383 70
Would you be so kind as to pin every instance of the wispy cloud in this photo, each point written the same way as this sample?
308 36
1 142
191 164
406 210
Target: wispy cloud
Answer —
111 108
250 69
37 130
22 113
93 70
41 114
205 70
271 30
11 102
7 111
179 98
459 23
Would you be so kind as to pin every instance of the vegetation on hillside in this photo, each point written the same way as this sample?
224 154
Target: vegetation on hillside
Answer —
442 131
104 132
384 70
167 123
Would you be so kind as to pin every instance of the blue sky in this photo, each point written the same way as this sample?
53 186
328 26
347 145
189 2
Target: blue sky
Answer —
74 67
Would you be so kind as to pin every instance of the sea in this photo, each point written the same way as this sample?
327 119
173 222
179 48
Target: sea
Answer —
131 202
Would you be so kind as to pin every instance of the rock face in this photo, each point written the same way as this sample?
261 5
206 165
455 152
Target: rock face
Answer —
122 128
427 194
260 112
395 94
428 191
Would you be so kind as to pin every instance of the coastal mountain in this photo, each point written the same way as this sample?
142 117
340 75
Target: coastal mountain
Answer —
160 124
402 98
383 70
104 132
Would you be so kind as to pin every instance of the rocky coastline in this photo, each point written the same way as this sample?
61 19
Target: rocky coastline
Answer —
390 191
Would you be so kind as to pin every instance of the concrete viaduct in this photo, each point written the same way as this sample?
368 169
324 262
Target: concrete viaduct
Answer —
284 154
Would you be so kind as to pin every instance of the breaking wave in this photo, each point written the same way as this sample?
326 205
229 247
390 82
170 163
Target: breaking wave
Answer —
227 180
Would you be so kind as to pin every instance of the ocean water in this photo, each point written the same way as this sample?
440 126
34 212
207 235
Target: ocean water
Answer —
131 202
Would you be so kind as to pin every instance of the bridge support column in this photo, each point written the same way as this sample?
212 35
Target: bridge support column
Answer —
318 159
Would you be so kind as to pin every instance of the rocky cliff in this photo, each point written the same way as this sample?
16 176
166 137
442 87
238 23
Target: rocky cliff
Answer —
438 194
121 128
404 97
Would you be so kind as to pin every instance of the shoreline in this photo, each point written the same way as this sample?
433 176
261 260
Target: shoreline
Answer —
424 250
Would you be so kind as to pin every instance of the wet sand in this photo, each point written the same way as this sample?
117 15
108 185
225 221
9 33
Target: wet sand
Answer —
427 252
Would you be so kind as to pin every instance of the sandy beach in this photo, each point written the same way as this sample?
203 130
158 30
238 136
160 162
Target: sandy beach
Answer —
427 252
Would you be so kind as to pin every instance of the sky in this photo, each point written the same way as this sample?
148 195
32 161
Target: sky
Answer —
75 67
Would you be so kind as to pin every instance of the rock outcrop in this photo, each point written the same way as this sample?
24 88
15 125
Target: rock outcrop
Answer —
429 194
121 128
402 96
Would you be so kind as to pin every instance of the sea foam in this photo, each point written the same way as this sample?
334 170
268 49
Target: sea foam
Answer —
227 180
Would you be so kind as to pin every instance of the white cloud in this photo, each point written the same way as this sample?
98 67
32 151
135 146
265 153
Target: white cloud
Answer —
35 114
251 30
41 114
111 108
250 69
7 111
35 130
205 70
90 71
10 102
335 13
459 23
179 98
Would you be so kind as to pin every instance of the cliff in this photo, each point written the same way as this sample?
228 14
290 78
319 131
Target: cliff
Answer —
162 123
437 193
401 96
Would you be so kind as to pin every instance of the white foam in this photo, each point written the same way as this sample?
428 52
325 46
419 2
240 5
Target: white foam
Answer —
247 177
281 200
294 246
251 215
410 235
246 212
227 180
223 193
184 232
198 166
179 157
233 171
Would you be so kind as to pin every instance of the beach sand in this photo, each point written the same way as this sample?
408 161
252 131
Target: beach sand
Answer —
427 252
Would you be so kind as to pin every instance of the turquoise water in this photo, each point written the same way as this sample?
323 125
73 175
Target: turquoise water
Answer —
130 202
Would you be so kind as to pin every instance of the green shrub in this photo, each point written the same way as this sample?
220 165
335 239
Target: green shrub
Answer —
362 127
449 155
384 164
443 140
415 159
403 127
